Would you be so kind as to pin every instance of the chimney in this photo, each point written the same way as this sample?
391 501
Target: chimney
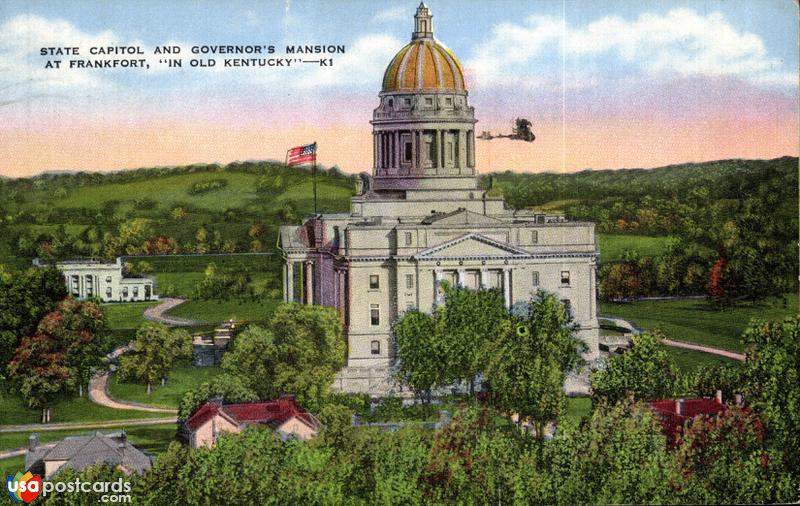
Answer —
679 406
33 441
286 402
719 396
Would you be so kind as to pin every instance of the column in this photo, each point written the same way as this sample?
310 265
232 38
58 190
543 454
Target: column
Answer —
507 287
471 148
437 279
341 281
437 139
413 151
397 149
462 276
462 151
484 278
375 149
81 286
289 281
309 295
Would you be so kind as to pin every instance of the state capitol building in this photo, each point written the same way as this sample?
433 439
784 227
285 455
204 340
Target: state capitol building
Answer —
421 219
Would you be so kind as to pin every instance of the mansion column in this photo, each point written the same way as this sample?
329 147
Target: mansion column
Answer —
507 287
289 291
462 277
484 278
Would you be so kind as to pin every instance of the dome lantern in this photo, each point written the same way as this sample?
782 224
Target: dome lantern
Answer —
423 23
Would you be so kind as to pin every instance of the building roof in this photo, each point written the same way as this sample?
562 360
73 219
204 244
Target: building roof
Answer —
81 452
273 413
424 64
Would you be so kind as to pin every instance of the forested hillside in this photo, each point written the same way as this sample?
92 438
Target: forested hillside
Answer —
732 224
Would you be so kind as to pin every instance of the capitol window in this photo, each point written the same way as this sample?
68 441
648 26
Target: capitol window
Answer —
375 314
448 101
535 278
408 238
565 278
428 101
376 347
374 282
407 101
534 237
409 281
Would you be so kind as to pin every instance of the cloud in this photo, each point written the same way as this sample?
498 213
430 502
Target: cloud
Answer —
22 67
391 15
680 42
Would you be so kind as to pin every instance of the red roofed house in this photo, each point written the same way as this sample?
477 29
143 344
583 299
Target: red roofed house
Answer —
283 414
675 413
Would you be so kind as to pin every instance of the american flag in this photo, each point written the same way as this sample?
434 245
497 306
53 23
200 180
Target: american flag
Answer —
302 154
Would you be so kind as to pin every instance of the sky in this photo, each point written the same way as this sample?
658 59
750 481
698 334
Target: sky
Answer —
608 84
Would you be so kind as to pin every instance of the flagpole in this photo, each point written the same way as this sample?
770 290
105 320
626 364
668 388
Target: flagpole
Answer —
314 177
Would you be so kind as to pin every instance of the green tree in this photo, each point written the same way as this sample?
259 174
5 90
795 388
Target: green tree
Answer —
619 456
449 346
468 322
773 382
154 351
300 352
529 360
420 352
646 371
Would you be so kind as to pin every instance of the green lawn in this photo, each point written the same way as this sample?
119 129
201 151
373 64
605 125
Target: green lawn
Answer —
698 321
178 284
182 378
690 360
126 315
555 206
152 438
11 466
613 246
220 310
78 409
578 407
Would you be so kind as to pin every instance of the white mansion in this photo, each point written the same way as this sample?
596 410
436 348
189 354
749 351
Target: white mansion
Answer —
421 219
86 279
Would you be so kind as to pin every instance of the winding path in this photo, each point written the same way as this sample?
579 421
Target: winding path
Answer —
157 313
634 329
98 393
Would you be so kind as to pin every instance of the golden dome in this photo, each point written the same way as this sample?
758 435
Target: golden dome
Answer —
424 65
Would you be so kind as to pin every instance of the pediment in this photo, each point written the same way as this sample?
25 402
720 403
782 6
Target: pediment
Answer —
471 245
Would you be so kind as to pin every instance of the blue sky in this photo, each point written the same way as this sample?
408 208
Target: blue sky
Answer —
679 63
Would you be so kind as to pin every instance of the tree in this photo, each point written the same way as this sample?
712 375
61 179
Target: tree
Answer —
420 352
619 456
724 459
300 352
646 371
772 375
25 297
449 346
468 459
529 360
468 322
40 371
79 330
153 353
